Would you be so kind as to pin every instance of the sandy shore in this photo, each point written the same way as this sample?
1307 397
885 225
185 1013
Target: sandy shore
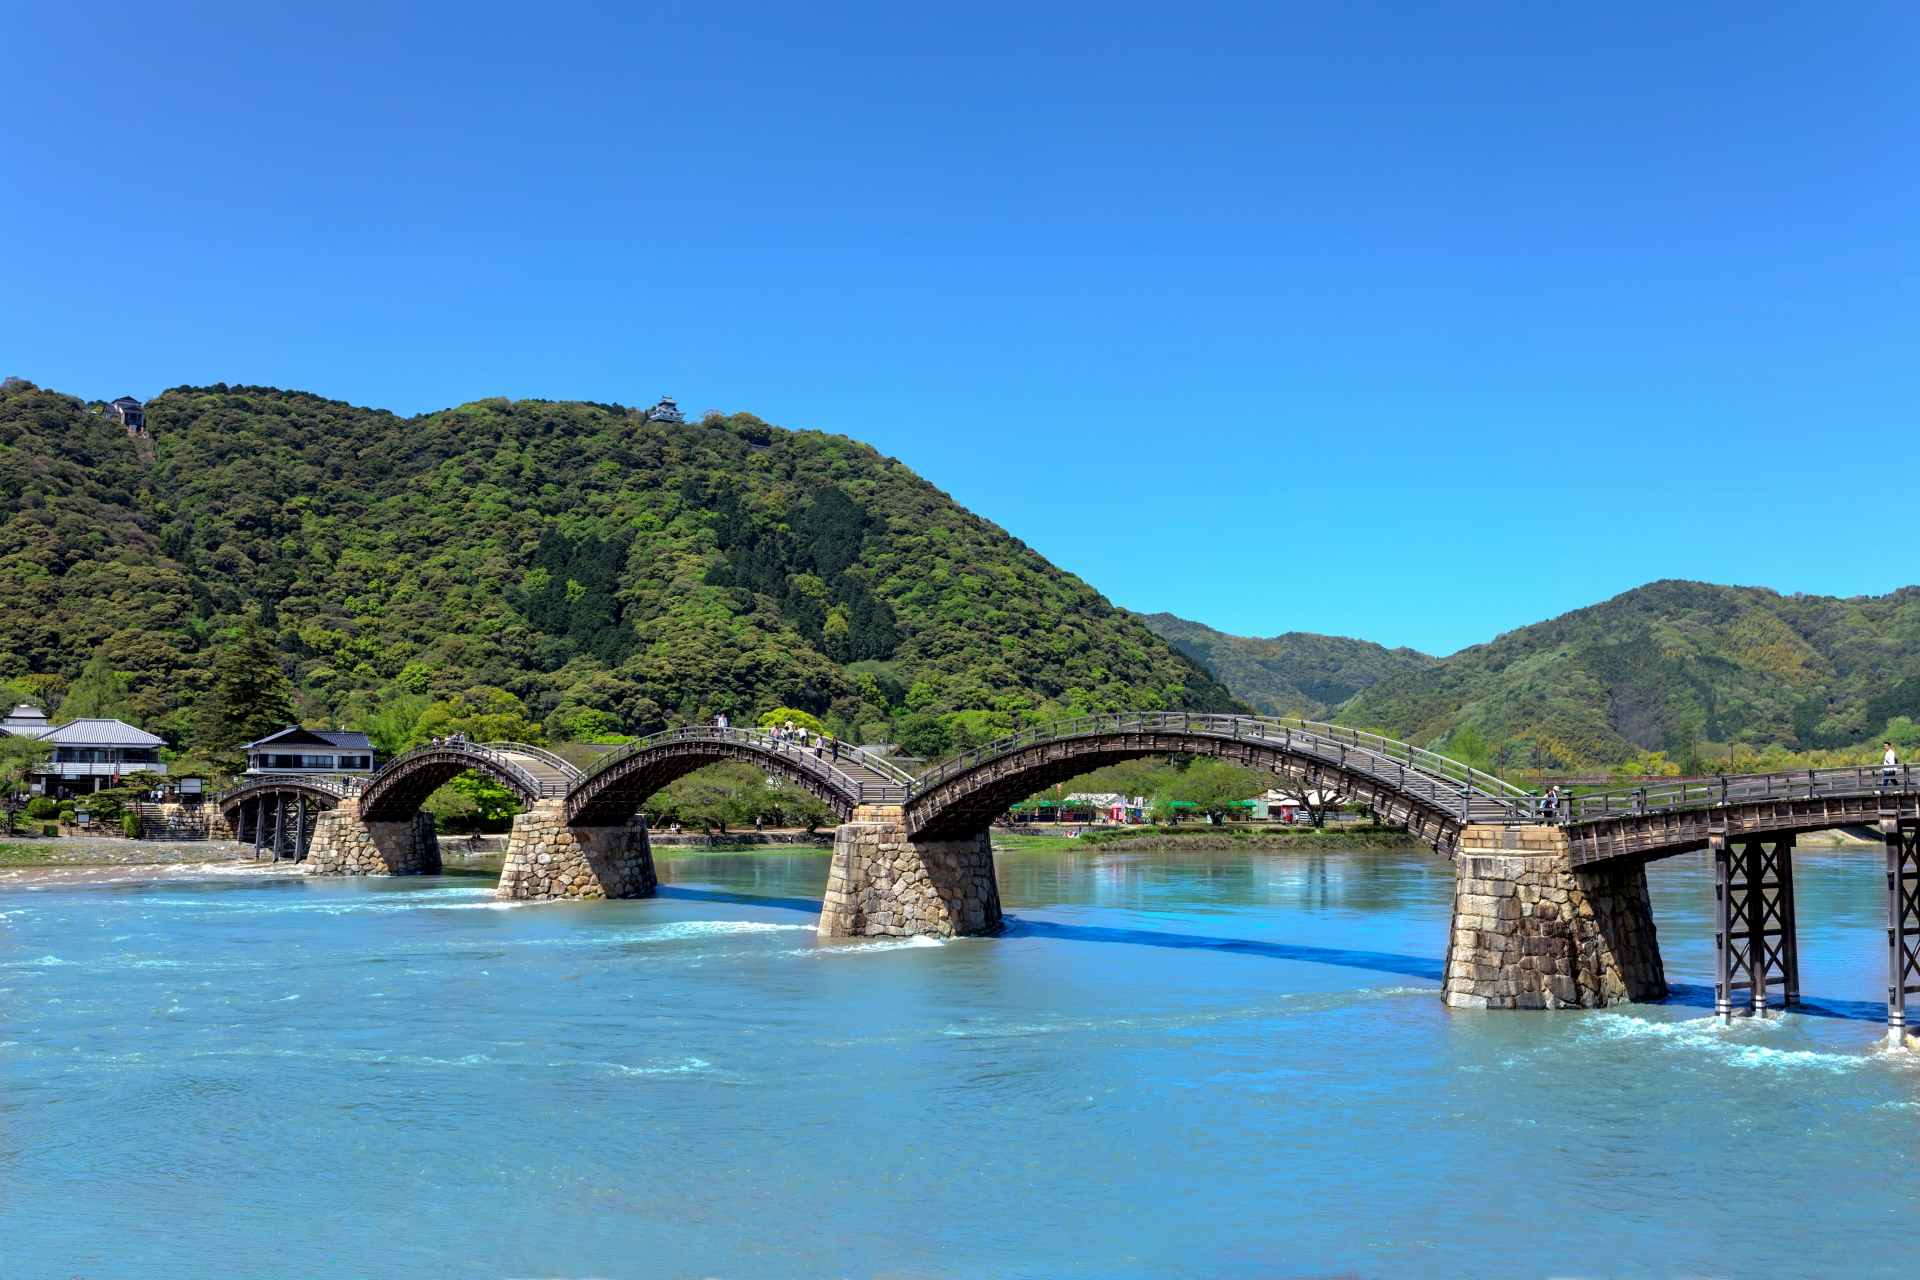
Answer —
52 877
69 860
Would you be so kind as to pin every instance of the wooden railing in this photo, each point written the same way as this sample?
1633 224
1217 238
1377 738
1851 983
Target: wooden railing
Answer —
890 789
338 787
1736 788
1445 785
494 757
544 756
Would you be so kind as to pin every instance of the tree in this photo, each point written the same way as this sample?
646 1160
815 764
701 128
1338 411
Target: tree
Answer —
470 801
19 757
1469 746
779 716
101 693
44 691
395 726
483 715
1211 785
251 697
1316 800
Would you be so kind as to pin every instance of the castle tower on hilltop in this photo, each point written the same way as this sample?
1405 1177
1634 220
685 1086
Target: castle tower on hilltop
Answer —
666 411
131 414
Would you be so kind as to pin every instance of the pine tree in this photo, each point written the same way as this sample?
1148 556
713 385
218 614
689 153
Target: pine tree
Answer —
101 693
252 696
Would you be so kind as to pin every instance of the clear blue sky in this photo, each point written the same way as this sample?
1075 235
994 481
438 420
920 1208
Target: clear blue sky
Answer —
1416 322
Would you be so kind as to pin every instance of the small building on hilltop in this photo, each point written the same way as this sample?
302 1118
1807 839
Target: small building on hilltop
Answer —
132 415
297 750
666 411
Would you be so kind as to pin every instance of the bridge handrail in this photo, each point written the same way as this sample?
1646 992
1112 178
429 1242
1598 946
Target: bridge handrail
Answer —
892 792
497 759
341 787
879 764
566 766
1448 783
1719 790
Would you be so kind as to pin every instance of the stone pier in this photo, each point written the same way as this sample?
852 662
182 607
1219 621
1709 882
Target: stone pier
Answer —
546 858
1531 932
343 845
884 885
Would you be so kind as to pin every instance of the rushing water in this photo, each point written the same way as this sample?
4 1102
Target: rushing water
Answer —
1208 1065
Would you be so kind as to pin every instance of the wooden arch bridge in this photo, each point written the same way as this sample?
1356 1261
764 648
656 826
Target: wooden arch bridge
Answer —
1551 910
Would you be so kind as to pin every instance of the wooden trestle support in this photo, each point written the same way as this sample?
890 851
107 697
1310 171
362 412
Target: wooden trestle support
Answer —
278 822
1903 922
1754 944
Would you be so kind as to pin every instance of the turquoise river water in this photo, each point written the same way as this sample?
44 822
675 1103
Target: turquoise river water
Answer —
1169 1065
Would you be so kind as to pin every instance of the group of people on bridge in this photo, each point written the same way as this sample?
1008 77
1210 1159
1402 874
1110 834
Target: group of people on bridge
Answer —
798 735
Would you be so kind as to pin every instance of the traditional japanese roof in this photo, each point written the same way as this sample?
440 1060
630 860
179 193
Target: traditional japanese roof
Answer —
100 733
128 401
26 721
295 736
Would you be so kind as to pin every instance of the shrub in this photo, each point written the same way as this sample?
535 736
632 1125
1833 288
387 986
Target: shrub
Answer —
130 825
779 716
42 807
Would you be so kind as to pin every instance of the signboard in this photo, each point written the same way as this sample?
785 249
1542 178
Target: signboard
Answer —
189 786
82 816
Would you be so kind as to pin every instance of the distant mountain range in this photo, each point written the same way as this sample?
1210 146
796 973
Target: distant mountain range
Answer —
1660 667
1297 674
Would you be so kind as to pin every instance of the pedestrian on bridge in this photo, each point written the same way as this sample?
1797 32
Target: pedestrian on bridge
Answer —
1889 765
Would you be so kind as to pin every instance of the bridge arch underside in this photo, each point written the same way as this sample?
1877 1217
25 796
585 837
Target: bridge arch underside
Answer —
614 794
396 794
969 803
1649 836
232 804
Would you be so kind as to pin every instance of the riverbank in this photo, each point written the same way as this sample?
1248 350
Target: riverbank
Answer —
733 841
81 851
1210 839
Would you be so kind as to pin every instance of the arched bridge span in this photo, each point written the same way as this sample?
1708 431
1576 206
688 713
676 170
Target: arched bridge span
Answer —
619 783
403 784
323 792
1433 796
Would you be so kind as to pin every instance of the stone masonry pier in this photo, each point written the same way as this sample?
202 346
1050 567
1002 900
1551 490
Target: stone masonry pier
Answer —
883 885
546 858
343 845
1531 932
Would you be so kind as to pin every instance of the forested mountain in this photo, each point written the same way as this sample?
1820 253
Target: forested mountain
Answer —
1296 674
613 575
1667 666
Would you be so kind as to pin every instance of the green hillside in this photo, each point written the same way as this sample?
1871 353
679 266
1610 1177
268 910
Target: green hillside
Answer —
611 574
1296 674
1665 667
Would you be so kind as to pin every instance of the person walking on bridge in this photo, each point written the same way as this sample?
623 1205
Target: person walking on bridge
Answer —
1889 765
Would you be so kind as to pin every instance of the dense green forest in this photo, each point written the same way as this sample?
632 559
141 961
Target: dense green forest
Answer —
558 568
1296 674
1675 667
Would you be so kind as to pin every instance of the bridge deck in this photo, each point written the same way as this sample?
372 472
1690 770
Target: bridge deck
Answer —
1653 819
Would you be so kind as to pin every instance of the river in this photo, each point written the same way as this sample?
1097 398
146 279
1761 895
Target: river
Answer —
1227 1064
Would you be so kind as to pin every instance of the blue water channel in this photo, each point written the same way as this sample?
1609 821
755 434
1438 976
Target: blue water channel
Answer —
1170 1065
